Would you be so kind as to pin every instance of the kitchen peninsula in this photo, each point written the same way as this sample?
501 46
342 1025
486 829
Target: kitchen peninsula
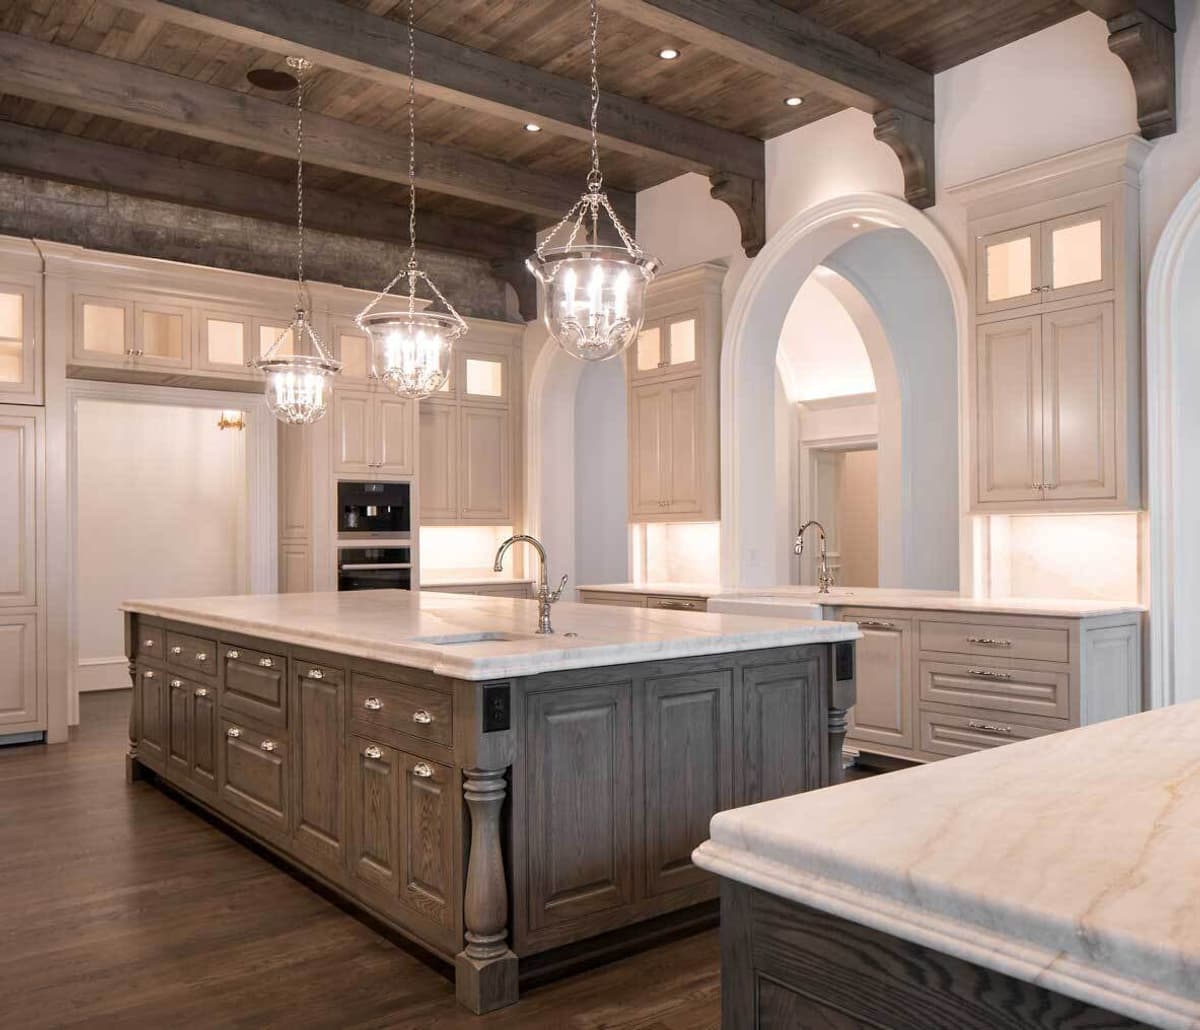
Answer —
434 760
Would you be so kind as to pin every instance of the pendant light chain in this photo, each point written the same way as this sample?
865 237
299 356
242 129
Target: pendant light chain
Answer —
595 180
301 66
412 151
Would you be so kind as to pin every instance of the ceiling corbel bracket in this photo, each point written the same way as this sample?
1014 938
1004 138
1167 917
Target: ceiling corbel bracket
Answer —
1147 47
512 270
747 199
911 137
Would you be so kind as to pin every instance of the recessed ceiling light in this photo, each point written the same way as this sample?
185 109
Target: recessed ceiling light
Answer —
856 225
794 101
668 53
532 127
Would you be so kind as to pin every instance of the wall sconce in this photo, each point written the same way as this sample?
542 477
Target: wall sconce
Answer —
231 420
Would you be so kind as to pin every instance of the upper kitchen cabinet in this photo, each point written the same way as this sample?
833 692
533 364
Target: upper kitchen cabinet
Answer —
119 331
20 323
374 434
1055 358
674 393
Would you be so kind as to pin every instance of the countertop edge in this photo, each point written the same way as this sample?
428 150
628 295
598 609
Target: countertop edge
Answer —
1032 963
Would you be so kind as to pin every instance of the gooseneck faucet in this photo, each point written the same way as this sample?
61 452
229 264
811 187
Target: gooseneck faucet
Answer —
824 576
545 596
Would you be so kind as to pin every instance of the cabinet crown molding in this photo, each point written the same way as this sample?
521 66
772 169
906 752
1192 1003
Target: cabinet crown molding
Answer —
706 276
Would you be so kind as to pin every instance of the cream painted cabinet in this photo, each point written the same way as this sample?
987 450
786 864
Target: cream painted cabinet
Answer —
883 710
19 700
439 461
121 332
374 434
20 359
1008 370
484 477
667 436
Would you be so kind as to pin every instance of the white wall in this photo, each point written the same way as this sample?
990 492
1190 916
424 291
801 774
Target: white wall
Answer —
161 512
601 474
821 352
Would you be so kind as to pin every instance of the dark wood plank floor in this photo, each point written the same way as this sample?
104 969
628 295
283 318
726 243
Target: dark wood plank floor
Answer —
121 908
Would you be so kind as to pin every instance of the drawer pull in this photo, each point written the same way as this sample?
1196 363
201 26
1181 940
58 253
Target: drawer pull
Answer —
990 727
678 605
267 745
202 691
876 624
149 674
371 751
267 663
989 641
233 653
315 674
372 704
423 717
423 769
233 732
202 656
148 642
177 649
177 683
989 674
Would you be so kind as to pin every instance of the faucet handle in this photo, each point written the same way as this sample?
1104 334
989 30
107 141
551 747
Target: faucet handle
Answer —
558 592
798 546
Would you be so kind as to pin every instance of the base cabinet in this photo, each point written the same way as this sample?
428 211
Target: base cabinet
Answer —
151 700
374 843
883 713
254 776
425 825
318 707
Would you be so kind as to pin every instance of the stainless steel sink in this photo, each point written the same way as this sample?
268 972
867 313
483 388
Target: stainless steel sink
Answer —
460 639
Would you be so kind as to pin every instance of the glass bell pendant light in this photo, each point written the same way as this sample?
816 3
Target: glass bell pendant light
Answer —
299 385
593 295
411 349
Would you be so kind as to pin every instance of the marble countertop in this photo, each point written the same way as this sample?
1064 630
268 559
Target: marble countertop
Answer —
448 578
425 631
1071 861
669 589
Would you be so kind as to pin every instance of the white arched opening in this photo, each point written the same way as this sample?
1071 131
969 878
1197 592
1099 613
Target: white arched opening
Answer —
1173 430
753 536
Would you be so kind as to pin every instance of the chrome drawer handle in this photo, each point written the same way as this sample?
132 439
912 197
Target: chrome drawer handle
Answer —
876 624
177 649
991 727
423 769
148 643
202 656
233 732
372 704
989 641
371 751
678 605
202 691
315 674
177 683
231 653
267 745
149 674
422 716
266 663
988 674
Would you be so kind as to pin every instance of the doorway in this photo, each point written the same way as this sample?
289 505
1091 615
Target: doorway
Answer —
843 496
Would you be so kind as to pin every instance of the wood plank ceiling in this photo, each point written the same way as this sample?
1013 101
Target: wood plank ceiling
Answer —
550 35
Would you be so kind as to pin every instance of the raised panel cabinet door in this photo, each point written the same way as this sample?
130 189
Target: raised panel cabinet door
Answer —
352 433
688 756
685 453
152 716
395 432
485 464
295 567
204 727
781 706
179 737
374 791
318 737
295 482
649 426
20 436
19 708
1008 269
426 838
578 787
883 710
1008 410
1079 366
254 776
438 467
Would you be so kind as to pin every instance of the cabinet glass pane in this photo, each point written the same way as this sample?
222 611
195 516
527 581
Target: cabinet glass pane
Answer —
1010 269
162 335
11 311
226 342
11 365
683 342
484 378
1076 254
103 329
268 334
649 349
352 349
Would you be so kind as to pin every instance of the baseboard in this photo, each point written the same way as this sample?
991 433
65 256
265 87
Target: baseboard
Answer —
102 674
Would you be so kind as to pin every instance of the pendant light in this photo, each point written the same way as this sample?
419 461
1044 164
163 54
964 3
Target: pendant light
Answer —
299 385
593 296
410 348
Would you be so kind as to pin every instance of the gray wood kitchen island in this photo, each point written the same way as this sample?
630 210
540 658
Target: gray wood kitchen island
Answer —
493 794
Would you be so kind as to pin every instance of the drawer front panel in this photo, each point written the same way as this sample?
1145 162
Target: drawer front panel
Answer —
254 774
1050 644
192 654
255 684
409 709
151 643
960 734
677 604
1045 692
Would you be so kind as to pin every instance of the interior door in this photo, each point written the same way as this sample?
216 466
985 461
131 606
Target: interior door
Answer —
1008 410
352 433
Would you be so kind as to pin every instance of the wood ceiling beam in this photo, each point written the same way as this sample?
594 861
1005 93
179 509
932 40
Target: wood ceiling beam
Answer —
334 35
115 89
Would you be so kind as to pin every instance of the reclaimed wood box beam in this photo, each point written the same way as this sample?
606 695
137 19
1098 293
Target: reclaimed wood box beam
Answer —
116 89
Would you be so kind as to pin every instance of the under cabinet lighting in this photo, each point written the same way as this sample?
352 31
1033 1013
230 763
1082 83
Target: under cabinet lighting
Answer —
794 101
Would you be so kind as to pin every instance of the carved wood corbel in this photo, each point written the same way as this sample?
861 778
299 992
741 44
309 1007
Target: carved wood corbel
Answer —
747 198
1147 47
512 270
911 137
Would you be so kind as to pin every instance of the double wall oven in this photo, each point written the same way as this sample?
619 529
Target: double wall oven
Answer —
374 536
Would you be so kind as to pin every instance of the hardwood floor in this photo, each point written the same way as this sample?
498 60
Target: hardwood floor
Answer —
121 908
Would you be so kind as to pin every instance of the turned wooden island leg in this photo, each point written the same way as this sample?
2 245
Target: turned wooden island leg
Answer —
485 970
842 694
133 771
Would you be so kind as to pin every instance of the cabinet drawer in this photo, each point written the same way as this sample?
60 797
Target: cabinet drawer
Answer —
615 599
150 642
255 684
960 733
409 709
1048 644
677 604
254 775
1045 692
192 654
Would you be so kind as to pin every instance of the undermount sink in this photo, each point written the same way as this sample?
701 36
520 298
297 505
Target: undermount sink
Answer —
459 639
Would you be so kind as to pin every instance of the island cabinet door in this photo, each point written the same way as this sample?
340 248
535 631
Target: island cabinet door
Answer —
579 798
688 755
152 717
426 839
318 708
782 736
375 771
179 743
203 727
254 777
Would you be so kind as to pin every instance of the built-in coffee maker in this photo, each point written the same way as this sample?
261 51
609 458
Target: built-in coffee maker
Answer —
374 528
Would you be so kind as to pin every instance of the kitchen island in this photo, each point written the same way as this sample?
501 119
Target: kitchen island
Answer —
1053 883
493 794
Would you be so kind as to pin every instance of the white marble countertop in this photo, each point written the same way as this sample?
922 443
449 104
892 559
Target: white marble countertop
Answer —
448 578
1071 861
669 589
425 631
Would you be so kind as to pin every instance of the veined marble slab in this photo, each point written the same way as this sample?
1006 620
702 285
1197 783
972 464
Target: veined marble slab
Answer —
394 626
1071 861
